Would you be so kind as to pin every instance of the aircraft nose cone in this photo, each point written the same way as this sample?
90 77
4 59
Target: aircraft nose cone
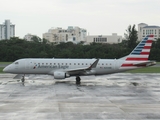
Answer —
5 69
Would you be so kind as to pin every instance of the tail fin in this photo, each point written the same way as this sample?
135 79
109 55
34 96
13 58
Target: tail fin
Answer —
141 51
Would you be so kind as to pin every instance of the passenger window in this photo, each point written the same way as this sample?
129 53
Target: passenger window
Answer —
16 63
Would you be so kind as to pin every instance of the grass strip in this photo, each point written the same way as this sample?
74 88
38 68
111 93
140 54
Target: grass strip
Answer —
6 62
146 70
1 70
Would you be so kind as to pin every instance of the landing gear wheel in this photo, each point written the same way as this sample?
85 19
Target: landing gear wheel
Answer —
78 80
23 79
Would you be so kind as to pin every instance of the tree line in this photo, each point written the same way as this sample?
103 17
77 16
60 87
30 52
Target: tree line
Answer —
16 48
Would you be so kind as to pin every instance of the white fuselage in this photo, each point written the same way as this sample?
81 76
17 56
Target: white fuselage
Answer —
49 66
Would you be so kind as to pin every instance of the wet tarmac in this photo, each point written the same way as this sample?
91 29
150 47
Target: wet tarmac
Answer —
116 96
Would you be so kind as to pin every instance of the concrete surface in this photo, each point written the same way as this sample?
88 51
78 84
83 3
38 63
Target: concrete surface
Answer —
116 96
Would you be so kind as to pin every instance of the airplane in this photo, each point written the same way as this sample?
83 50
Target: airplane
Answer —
64 68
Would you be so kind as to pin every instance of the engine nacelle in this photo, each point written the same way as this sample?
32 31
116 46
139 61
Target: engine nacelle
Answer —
60 75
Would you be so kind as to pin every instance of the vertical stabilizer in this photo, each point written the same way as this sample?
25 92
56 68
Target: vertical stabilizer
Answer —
140 53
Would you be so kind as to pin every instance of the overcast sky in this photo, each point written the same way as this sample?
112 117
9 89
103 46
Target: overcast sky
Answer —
99 17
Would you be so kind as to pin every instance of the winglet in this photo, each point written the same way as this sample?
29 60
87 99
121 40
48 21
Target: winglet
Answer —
93 65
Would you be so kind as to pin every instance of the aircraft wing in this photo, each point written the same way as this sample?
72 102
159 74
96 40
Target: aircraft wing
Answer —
82 70
147 63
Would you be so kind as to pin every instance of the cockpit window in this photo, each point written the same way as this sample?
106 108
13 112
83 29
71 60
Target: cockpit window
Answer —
16 63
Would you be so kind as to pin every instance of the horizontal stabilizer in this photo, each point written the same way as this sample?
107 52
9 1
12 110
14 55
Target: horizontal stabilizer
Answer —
147 63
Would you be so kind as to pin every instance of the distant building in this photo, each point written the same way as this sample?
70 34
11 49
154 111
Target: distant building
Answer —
29 37
144 30
7 30
71 34
114 38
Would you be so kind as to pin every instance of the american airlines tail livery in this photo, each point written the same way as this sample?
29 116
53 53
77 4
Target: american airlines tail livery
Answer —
64 68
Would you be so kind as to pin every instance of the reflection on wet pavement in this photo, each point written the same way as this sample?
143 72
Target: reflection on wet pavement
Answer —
116 96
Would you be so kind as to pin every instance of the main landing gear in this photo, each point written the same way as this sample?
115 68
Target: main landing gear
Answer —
78 80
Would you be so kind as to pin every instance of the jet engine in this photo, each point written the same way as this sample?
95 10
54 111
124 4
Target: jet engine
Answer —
60 75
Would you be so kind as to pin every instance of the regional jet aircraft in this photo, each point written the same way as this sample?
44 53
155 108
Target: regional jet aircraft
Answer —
64 68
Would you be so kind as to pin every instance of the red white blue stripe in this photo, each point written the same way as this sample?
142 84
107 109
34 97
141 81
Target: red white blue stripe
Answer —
140 53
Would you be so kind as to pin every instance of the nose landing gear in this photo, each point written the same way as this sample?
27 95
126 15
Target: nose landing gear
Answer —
23 79
78 80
